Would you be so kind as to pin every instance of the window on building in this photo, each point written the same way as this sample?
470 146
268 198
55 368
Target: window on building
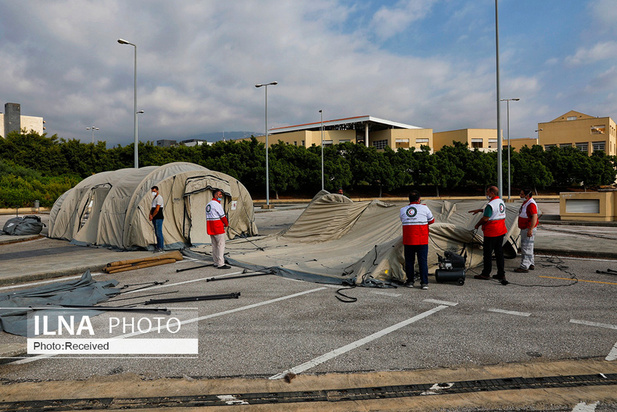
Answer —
402 143
302 142
549 146
565 144
572 118
583 147
422 141
492 143
380 144
598 146
477 143
344 140
598 129
295 143
327 143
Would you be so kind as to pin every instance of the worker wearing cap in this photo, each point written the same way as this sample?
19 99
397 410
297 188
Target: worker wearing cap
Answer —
416 218
493 224
527 222
216 222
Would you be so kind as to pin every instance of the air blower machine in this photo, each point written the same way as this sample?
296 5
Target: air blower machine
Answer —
451 268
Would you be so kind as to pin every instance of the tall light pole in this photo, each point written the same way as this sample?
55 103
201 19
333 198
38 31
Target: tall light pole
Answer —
508 128
499 144
137 123
93 129
136 140
322 172
265 85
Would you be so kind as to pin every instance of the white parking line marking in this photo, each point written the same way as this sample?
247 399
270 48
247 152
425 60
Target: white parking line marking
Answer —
599 325
213 315
394 295
167 285
441 302
612 355
584 407
510 312
353 345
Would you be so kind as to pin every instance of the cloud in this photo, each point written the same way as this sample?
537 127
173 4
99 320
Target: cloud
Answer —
389 21
600 51
198 63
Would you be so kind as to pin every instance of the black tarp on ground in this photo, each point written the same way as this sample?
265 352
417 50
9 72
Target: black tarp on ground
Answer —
15 306
20 226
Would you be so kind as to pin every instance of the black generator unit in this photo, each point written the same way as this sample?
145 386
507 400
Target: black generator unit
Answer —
451 268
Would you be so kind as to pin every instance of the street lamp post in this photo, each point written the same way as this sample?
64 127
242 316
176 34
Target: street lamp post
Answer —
322 169
265 85
135 137
93 129
137 123
499 143
508 129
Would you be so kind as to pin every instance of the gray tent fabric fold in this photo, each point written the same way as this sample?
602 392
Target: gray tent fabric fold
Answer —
338 241
15 306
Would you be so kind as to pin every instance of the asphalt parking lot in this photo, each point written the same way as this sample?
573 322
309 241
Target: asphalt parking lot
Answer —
562 313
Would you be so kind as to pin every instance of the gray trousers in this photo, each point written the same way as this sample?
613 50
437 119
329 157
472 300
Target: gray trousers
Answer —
527 249
218 249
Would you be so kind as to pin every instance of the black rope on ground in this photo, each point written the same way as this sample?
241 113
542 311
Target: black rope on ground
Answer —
344 298
557 262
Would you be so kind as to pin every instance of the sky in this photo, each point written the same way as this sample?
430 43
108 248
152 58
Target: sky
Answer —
428 63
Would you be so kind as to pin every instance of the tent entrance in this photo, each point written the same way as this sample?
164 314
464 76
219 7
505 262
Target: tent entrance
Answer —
198 191
90 212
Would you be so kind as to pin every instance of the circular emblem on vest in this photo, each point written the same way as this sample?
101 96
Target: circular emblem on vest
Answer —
411 212
501 207
208 208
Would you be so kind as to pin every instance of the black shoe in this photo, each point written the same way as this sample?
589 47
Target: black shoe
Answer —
483 277
502 277
504 282
224 267
532 267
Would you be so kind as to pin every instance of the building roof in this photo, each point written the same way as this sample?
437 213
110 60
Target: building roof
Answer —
347 123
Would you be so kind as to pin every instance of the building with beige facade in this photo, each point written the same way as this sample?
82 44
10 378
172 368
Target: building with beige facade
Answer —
587 133
12 120
484 140
518 144
366 130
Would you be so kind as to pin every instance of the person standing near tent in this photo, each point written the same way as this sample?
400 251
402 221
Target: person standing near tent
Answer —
156 217
216 222
493 224
416 218
527 222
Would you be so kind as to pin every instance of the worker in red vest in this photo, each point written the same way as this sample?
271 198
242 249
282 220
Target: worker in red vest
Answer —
416 218
527 222
493 224
216 222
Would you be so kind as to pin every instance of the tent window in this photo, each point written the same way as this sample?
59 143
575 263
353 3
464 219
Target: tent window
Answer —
87 210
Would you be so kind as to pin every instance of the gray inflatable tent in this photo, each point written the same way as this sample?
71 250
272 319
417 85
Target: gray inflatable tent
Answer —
111 208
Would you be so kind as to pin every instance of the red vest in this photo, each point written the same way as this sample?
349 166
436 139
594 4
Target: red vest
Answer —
496 225
416 218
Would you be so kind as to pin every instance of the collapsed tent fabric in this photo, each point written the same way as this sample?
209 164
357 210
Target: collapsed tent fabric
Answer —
15 306
112 208
339 241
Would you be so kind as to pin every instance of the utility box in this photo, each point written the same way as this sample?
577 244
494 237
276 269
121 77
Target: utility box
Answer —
588 206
